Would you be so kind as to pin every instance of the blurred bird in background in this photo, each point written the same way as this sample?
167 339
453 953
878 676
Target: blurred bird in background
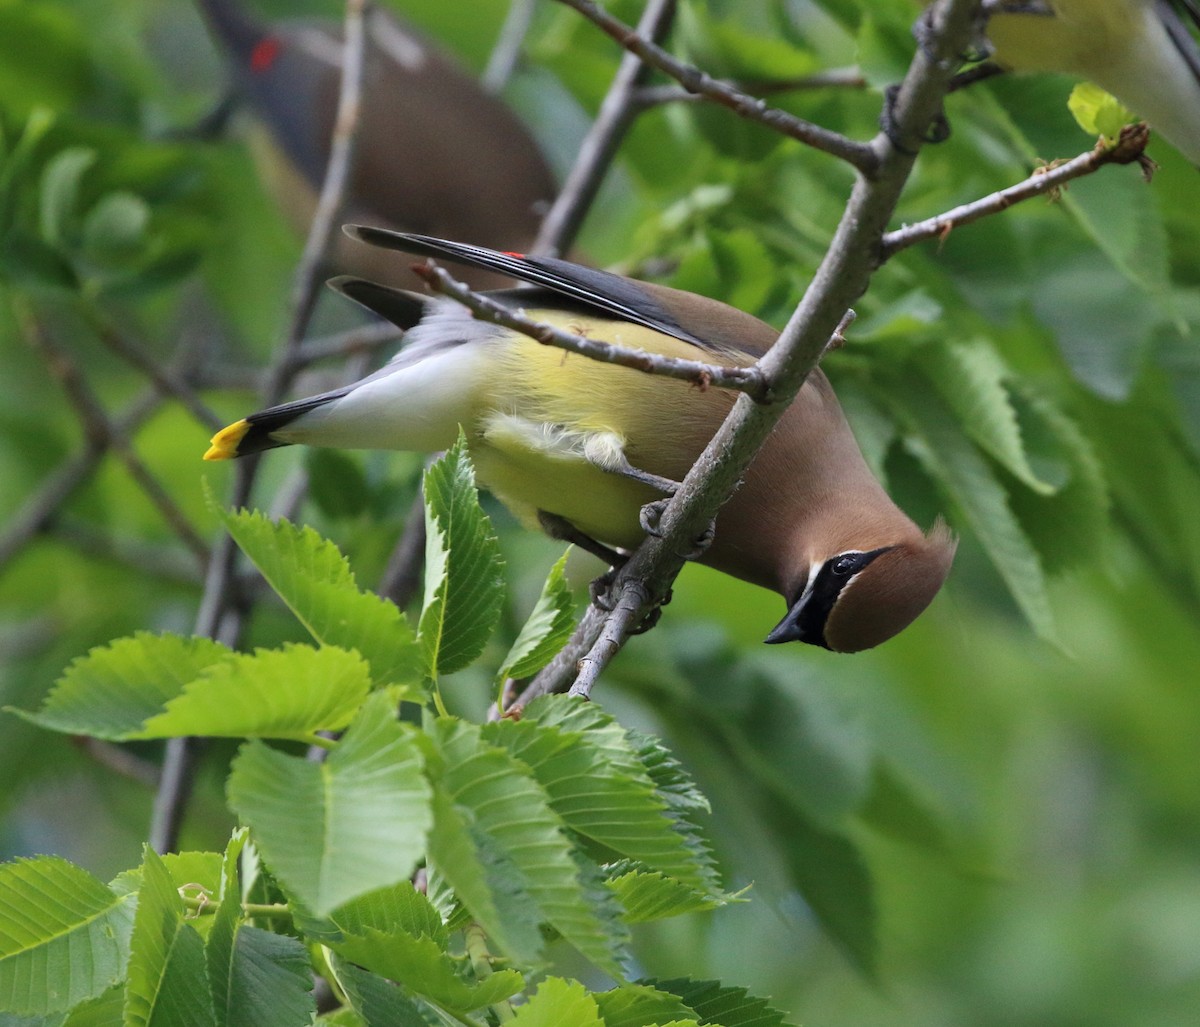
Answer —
435 152
1140 51
578 447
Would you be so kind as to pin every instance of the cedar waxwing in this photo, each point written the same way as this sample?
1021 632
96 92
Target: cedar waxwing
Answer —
557 433
434 152
1140 51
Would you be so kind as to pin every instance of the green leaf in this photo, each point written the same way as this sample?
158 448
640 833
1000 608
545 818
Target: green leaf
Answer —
464 586
503 801
398 907
381 1003
103 1011
334 830
273 693
258 978
971 378
61 180
168 979
115 689
649 895
64 936
483 879
269 982
965 476
1098 113
557 1003
594 781
316 582
336 482
1071 527
714 1002
895 808
639 1005
547 629
115 226
422 965
832 875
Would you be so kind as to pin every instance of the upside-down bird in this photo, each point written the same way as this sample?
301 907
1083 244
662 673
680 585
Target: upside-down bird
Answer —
564 440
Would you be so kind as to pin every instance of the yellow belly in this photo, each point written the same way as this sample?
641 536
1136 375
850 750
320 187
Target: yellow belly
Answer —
548 405
1079 39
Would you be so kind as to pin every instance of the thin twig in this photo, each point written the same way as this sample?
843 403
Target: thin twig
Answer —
506 54
118 761
354 341
159 561
841 278
401 577
101 431
169 382
1127 149
861 155
41 508
617 112
833 78
620 623
333 189
219 616
739 379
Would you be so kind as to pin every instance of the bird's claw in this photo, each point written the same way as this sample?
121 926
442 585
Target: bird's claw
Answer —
599 589
651 516
938 131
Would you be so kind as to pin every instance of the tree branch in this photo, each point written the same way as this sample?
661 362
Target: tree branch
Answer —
168 382
833 78
843 276
740 379
506 54
617 112
860 155
1044 181
101 432
219 616
42 507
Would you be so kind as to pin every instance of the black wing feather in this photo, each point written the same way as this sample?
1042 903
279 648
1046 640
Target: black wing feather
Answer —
607 293
403 309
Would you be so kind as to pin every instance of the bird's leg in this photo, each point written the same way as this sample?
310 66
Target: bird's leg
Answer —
651 513
978 54
564 531
625 469
978 73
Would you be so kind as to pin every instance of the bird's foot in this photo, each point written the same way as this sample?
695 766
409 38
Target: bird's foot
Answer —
600 591
925 33
651 516
938 131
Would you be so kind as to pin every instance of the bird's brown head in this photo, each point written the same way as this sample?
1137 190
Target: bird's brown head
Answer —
856 599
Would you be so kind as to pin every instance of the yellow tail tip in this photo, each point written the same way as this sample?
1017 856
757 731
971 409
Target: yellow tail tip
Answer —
225 443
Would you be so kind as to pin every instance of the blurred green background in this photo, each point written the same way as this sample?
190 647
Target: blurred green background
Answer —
1006 797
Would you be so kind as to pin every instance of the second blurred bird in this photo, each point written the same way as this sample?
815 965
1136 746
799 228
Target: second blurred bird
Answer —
435 152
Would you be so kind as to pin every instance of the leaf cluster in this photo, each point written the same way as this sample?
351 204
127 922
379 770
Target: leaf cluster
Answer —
423 864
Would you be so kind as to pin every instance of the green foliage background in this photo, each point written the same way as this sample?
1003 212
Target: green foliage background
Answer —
1017 771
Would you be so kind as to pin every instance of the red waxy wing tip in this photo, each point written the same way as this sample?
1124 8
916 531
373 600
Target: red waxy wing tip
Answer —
265 51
